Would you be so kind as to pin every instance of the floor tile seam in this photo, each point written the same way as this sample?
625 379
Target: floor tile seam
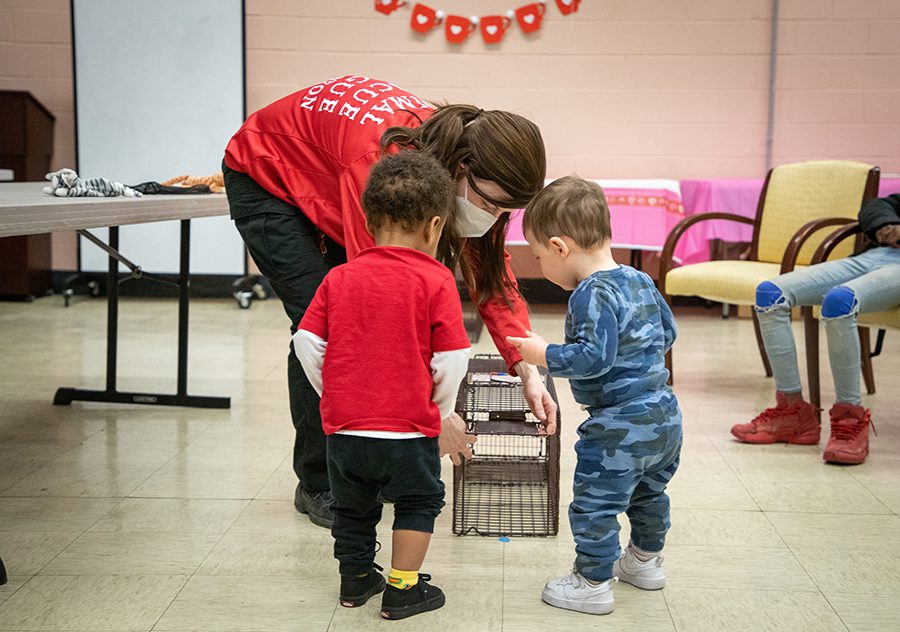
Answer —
79 497
764 547
812 590
730 468
187 498
76 538
794 556
228 529
835 611
187 581
288 455
669 610
888 512
825 513
819 589
61 531
3 490
334 614
153 473
218 470
107 533
25 583
872 492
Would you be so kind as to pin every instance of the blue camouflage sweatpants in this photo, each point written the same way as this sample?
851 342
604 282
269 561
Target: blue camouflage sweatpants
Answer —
622 467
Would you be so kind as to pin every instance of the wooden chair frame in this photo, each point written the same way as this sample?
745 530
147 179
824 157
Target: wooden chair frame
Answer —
788 261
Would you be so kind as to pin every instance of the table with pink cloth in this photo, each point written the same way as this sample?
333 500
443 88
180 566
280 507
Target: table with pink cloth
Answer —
738 196
642 213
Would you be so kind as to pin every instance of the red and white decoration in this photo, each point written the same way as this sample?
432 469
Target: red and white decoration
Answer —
457 28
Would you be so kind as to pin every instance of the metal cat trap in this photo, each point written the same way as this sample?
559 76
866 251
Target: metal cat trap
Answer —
511 485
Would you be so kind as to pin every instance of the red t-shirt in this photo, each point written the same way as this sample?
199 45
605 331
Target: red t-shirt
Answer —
313 149
383 315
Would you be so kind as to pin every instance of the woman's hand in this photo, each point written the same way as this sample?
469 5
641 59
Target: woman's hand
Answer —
454 441
537 396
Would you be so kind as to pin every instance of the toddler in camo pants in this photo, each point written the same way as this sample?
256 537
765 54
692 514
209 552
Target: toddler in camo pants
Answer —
617 332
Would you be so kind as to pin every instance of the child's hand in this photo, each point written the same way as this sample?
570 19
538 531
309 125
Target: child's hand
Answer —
454 441
533 348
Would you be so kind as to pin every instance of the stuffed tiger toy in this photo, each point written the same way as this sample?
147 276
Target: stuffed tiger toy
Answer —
215 182
66 183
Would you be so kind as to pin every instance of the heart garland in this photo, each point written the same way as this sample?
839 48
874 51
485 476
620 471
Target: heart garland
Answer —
457 28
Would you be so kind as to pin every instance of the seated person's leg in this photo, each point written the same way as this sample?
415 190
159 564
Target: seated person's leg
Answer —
875 291
791 420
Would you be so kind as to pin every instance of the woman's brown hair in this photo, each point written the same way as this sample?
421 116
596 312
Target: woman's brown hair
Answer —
493 145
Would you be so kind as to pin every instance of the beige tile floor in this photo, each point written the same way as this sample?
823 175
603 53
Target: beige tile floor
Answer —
142 518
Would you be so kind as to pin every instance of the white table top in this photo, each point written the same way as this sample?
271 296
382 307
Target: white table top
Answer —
26 210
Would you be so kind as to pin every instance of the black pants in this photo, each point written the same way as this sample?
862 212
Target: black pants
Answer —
404 471
288 249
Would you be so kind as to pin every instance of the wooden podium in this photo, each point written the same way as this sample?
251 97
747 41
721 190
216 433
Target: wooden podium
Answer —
26 147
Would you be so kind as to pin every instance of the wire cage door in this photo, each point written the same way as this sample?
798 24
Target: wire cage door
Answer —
510 487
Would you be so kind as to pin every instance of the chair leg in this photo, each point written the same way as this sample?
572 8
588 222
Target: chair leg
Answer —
761 345
879 342
865 357
811 331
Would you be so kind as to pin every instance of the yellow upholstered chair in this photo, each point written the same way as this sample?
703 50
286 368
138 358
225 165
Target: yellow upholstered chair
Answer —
797 205
885 319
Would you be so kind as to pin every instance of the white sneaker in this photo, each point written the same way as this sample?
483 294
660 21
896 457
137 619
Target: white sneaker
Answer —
647 575
574 592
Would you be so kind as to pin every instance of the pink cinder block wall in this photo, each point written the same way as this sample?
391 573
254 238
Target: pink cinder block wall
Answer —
659 88
36 56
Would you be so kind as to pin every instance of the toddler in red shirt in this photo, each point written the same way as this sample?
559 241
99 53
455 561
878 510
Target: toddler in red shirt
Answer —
383 343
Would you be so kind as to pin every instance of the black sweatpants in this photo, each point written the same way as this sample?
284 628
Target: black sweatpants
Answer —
288 249
406 472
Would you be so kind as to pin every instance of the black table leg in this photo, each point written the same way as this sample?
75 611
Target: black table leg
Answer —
65 396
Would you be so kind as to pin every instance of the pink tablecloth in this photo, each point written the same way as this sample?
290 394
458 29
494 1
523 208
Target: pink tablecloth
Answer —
738 196
642 213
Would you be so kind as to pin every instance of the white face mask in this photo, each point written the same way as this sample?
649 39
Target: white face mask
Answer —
471 219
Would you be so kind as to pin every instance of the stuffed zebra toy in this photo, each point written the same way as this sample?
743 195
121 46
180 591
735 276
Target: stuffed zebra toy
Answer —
66 183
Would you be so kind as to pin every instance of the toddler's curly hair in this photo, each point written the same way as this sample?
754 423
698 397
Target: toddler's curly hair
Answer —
408 188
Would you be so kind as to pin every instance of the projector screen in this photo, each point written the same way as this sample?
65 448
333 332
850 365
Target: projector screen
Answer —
159 90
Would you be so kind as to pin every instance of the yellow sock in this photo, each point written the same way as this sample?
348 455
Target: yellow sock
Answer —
402 580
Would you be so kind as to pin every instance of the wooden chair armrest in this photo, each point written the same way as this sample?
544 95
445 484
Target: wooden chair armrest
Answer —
832 240
665 263
789 260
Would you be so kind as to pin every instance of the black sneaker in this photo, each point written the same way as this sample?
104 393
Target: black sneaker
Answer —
3 578
423 597
318 506
356 591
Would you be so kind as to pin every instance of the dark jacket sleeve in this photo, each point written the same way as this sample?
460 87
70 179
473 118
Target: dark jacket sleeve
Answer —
879 212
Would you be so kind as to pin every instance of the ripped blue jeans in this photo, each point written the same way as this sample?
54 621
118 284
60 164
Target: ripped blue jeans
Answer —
868 282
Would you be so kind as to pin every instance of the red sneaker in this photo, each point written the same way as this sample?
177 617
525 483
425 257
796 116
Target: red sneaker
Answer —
849 442
789 422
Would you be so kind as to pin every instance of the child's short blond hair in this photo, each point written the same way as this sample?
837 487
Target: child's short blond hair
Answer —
569 207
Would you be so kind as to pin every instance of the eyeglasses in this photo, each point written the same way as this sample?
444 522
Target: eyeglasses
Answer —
494 203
